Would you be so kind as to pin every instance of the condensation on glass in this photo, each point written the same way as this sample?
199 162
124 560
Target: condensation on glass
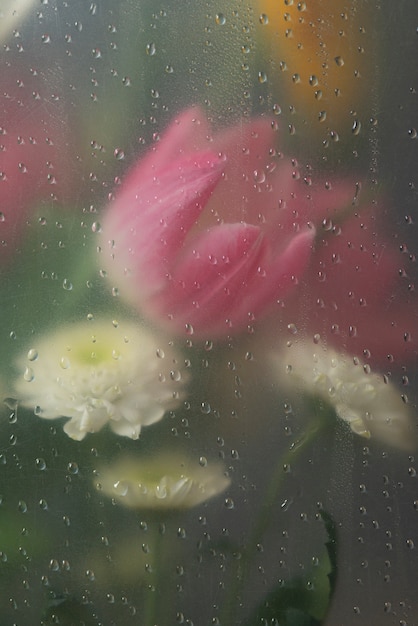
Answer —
208 312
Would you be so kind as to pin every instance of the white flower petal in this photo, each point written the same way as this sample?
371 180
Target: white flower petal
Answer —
165 482
371 406
96 372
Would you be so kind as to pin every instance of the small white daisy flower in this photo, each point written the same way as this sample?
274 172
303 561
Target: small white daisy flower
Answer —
101 372
368 402
165 482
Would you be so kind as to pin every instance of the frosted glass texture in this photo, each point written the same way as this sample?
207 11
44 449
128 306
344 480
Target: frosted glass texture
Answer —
208 312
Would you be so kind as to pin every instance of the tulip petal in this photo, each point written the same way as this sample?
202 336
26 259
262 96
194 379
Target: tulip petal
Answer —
160 212
189 132
275 279
248 171
207 282
230 277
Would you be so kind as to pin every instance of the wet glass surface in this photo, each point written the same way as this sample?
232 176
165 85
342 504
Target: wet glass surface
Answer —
208 313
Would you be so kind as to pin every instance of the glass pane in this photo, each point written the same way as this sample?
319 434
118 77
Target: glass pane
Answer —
208 312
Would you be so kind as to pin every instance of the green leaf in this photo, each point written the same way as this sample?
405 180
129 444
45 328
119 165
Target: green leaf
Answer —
19 540
303 600
68 611
331 546
53 278
47 276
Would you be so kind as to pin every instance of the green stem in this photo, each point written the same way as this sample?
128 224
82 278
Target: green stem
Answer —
240 573
151 596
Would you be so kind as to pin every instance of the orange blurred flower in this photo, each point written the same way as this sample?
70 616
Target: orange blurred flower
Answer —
325 53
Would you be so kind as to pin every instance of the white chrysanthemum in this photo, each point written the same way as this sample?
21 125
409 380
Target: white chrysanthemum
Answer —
371 405
101 372
167 482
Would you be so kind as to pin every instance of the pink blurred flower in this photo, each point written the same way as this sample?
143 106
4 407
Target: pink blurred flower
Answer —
198 238
358 293
32 138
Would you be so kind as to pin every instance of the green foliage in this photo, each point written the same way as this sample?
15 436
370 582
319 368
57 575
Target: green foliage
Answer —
53 278
303 600
68 611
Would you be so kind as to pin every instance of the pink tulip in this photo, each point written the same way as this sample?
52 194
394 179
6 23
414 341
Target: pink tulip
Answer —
198 240
363 284
358 293
32 135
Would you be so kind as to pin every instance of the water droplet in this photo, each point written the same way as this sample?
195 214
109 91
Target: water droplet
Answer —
151 49
54 566
286 504
28 374
22 506
205 408
263 19
121 487
72 467
40 464
327 224
64 363
90 575
119 154
11 403
259 176
32 354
